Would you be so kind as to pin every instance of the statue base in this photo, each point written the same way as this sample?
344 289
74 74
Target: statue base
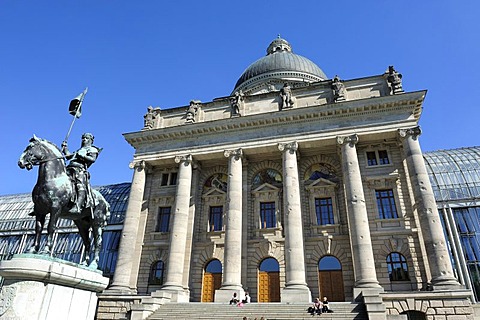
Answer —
41 287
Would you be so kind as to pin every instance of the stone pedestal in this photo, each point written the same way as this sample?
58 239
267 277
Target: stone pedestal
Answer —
40 287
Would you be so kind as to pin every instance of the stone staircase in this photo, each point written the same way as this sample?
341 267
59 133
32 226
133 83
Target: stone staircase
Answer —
251 311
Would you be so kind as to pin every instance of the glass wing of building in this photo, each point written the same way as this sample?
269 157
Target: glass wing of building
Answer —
17 228
455 178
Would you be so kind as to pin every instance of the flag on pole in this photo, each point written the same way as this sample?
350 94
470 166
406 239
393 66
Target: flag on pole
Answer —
75 108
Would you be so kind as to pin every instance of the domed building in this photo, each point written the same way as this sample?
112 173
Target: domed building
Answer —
295 186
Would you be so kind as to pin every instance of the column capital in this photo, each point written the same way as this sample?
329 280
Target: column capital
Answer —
137 165
187 158
237 153
291 146
413 132
351 140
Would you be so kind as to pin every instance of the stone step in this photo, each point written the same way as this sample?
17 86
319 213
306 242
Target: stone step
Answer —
270 311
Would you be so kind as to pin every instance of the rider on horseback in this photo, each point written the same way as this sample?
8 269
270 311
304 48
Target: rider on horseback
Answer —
80 161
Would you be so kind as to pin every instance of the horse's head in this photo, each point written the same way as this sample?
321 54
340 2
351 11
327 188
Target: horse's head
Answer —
39 151
32 155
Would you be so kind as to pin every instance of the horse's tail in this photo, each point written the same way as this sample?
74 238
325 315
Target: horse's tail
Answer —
103 209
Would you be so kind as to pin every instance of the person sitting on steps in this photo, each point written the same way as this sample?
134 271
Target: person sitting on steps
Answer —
234 299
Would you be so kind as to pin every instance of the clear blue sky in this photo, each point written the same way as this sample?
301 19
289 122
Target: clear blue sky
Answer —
132 54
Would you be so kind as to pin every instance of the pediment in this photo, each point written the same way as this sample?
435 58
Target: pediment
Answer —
321 182
266 187
212 192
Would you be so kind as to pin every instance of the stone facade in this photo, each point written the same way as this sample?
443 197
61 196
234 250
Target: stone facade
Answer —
266 174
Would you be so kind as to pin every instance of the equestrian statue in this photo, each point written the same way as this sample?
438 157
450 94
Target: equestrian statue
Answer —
65 192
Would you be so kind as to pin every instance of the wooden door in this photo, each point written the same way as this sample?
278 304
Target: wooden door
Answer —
268 286
331 285
274 278
211 282
207 290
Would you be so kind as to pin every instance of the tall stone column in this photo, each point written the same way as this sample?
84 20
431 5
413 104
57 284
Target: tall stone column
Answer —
296 289
361 242
233 230
178 233
438 257
122 282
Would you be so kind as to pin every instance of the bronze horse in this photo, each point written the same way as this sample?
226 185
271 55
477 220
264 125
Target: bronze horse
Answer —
52 195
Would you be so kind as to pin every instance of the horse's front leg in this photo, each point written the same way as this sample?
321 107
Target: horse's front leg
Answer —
52 226
39 222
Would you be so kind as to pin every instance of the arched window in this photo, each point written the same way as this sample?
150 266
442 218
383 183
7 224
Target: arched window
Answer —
397 267
218 181
269 265
270 176
321 170
156 273
214 266
328 263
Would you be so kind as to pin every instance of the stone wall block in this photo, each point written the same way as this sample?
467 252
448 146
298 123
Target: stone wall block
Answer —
445 310
436 303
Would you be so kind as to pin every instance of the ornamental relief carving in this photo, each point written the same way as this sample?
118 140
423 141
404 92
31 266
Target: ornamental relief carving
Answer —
163 201
7 294
383 182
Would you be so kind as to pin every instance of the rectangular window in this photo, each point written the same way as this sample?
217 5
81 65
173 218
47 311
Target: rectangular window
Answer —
163 219
379 157
383 157
324 211
169 179
215 219
386 204
267 215
371 158
173 179
164 179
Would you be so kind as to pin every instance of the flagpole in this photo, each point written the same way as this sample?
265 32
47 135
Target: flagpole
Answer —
76 114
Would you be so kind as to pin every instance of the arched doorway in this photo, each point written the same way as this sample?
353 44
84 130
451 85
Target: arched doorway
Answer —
330 279
269 281
212 280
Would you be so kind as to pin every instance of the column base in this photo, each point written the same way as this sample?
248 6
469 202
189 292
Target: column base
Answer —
445 283
178 294
225 294
296 295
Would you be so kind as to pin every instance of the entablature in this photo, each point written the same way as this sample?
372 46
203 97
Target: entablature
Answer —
307 121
